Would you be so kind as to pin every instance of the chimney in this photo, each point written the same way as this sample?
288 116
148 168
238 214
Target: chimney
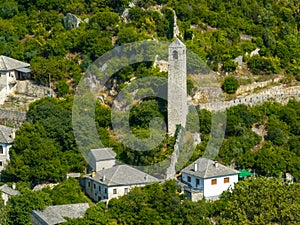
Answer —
146 177
93 173
195 167
14 186
216 164
103 178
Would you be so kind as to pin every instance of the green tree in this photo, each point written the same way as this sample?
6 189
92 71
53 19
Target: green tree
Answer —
230 85
20 207
8 9
67 192
259 201
229 66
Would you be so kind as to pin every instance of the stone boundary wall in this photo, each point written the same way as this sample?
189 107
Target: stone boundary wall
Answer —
250 87
279 94
29 88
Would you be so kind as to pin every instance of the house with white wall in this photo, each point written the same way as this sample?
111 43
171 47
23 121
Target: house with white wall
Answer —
11 70
208 177
116 181
101 158
7 136
110 179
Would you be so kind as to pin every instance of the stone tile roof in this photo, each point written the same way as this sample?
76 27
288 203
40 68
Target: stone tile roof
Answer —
207 168
177 43
8 190
7 63
6 134
55 214
103 154
123 175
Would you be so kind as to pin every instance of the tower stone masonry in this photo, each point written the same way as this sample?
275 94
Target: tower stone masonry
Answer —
177 91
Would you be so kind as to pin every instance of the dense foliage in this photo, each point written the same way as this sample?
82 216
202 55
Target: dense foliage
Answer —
44 149
36 32
264 138
18 209
259 201
153 204
254 201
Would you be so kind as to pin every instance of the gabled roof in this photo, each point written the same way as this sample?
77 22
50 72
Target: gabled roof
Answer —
177 43
7 63
207 168
103 154
6 134
8 190
123 175
55 214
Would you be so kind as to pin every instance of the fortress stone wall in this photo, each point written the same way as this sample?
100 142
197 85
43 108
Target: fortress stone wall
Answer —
279 94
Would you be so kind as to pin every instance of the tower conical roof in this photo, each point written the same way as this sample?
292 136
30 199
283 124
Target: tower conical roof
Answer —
177 43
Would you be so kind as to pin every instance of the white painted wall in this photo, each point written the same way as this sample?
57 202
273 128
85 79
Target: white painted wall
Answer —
104 192
217 189
5 156
210 190
100 165
5 198
193 181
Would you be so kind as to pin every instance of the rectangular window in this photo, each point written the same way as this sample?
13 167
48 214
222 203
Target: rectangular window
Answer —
197 181
226 180
115 191
105 190
99 188
213 181
94 186
1 150
126 190
189 179
89 184
1 164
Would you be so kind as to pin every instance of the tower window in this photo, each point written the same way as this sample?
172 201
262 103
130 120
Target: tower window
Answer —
175 55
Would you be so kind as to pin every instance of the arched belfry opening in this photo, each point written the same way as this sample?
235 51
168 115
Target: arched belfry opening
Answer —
175 54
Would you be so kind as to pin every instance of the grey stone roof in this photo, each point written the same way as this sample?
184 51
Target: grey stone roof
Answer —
123 175
7 63
6 134
55 214
177 43
8 190
103 154
207 168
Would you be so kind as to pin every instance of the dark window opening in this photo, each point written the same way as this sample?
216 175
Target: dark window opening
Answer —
175 55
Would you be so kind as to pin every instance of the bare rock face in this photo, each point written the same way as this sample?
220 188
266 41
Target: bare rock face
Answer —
71 21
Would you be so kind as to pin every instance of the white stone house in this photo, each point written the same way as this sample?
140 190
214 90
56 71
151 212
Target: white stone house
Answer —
7 136
110 179
116 181
10 71
102 158
209 177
